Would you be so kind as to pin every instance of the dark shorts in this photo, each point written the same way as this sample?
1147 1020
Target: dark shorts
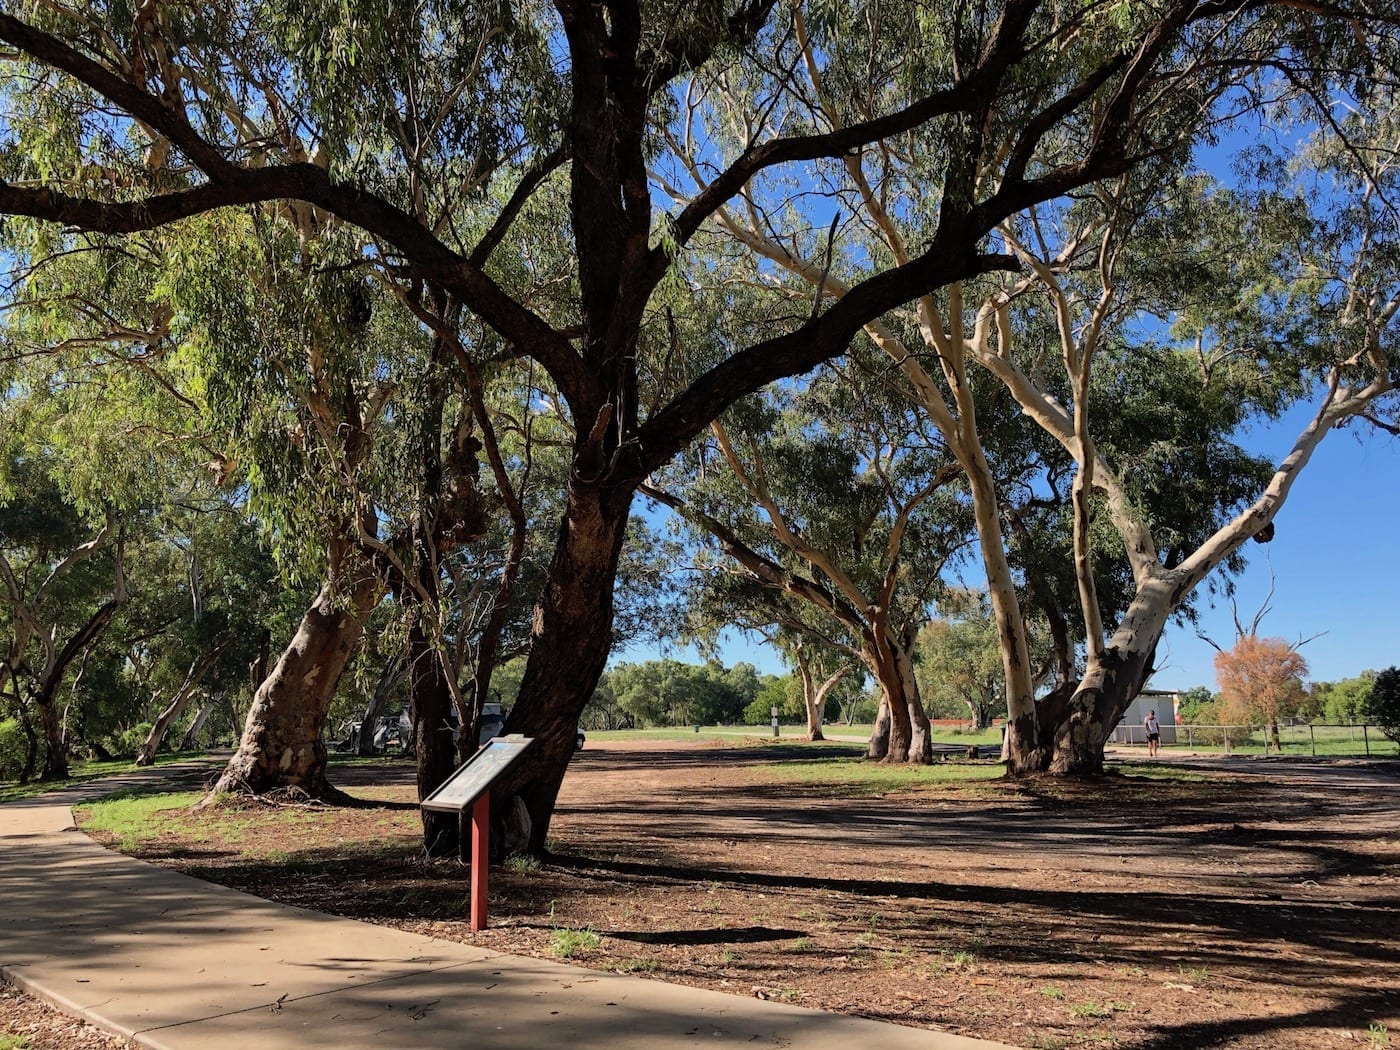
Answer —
1152 738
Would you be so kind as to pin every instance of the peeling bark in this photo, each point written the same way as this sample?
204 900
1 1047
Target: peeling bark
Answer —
880 736
282 745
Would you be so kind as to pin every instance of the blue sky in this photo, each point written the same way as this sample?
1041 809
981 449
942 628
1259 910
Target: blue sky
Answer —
1334 557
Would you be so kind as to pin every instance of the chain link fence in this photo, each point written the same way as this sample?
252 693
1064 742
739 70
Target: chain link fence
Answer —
1349 739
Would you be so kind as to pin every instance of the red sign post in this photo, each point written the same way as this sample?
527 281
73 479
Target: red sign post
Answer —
481 858
470 788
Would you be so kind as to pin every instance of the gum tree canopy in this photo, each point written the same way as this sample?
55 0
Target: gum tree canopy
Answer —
431 127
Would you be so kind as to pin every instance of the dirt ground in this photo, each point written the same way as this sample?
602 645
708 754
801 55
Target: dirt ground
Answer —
31 1024
1258 906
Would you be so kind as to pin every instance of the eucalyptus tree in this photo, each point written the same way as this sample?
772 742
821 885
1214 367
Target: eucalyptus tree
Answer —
836 493
1169 329
89 454
220 588
1281 300
63 581
958 657
1054 97
744 593
821 671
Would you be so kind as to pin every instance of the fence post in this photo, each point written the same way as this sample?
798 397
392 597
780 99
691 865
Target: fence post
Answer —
1312 739
1226 731
1366 736
1189 746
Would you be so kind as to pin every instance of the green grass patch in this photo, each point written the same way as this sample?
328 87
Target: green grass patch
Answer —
787 733
858 777
249 830
14 1042
1332 741
568 944
1091 1008
522 863
134 819
389 759
1164 771
715 736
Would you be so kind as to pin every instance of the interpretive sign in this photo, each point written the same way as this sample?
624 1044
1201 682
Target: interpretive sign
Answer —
470 788
477 774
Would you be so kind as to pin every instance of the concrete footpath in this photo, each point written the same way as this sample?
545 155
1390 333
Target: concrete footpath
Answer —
173 962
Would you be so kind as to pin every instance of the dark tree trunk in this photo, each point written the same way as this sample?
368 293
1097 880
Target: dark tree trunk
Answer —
982 709
1076 737
892 666
570 644
434 745
55 747
31 748
388 677
282 745
901 728
95 746
488 646
46 696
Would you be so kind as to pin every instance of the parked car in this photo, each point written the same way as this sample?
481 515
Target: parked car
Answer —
396 731
493 719
393 731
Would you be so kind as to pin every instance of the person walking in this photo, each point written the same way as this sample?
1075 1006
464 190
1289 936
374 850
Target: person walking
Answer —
1154 733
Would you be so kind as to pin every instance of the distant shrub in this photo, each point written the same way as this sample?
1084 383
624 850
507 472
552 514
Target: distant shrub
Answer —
1383 706
866 711
125 743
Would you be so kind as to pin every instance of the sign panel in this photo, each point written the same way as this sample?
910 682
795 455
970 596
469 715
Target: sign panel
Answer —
477 774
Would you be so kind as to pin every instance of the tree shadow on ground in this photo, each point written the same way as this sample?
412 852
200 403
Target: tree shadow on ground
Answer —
1352 1011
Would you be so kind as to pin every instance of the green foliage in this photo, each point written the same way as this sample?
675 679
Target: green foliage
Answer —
1344 702
784 693
670 693
1197 706
1383 707
11 749
958 660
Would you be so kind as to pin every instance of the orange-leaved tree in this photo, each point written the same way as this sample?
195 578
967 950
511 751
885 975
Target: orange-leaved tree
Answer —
1261 680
